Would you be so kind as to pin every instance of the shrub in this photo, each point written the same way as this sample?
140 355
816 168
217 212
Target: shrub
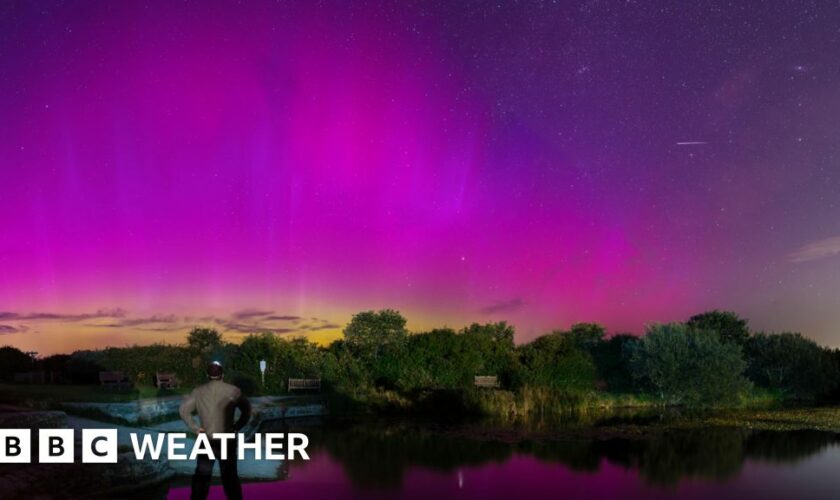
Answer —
555 362
295 358
728 325
612 359
13 360
792 364
688 366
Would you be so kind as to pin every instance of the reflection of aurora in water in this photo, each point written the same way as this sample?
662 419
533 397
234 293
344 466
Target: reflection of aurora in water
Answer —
380 456
414 460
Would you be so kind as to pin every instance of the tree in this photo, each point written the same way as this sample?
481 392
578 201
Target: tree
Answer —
492 345
792 364
371 331
13 360
343 369
204 345
555 361
285 358
444 359
730 326
499 333
204 340
612 358
378 339
55 363
587 336
688 366
438 359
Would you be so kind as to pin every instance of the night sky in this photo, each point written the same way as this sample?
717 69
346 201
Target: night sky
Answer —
280 166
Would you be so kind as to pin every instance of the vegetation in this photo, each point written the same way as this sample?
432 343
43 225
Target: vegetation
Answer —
554 361
688 366
791 364
12 361
727 325
712 360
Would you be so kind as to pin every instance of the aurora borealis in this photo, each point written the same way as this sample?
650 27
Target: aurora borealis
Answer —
283 165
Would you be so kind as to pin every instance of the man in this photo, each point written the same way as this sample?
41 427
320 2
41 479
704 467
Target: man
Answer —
216 403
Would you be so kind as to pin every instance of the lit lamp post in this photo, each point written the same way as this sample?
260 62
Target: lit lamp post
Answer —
262 371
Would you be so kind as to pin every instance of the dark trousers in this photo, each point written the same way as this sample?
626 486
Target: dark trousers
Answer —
204 472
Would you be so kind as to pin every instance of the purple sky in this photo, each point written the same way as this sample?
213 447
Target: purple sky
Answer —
283 165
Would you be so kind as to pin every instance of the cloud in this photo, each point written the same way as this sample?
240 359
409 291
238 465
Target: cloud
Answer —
327 326
240 327
9 329
504 306
281 330
171 318
249 320
259 321
161 323
102 318
178 328
250 313
283 318
45 316
821 249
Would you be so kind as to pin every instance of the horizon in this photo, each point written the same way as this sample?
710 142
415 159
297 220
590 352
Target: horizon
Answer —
173 330
544 165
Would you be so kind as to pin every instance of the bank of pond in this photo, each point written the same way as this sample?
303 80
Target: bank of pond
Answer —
418 458
645 451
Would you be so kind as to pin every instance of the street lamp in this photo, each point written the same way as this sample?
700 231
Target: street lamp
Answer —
262 371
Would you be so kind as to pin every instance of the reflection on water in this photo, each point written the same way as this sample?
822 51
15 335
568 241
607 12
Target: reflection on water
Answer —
405 459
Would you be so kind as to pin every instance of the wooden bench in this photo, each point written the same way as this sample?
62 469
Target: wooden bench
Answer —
31 377
487 381
166 380
114 380
304 384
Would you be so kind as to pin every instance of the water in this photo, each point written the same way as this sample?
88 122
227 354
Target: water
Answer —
410 460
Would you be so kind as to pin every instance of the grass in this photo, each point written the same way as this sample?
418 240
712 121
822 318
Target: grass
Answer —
821 418
531 402
759 409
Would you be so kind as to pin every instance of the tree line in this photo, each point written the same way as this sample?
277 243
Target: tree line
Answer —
712 359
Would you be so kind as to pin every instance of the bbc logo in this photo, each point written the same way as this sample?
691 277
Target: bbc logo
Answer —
57 446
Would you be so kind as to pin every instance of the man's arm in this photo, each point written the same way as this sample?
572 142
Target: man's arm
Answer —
186 411
244 412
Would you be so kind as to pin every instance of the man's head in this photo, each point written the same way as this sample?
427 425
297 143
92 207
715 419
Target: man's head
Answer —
215 371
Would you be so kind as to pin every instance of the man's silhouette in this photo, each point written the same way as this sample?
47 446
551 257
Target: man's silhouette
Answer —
216 402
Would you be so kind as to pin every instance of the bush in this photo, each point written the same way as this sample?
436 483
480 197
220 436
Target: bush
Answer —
728 325
687 366
612 359
437 360
13 360
587 337
443 359
296 358
792 364
554 361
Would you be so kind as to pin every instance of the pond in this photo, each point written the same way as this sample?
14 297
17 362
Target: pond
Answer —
411 460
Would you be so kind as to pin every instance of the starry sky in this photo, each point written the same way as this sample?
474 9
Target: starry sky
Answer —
279 166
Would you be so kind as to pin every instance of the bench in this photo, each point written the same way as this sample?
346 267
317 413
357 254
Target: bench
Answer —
304 384
166 380
487 381
114 380
31 377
